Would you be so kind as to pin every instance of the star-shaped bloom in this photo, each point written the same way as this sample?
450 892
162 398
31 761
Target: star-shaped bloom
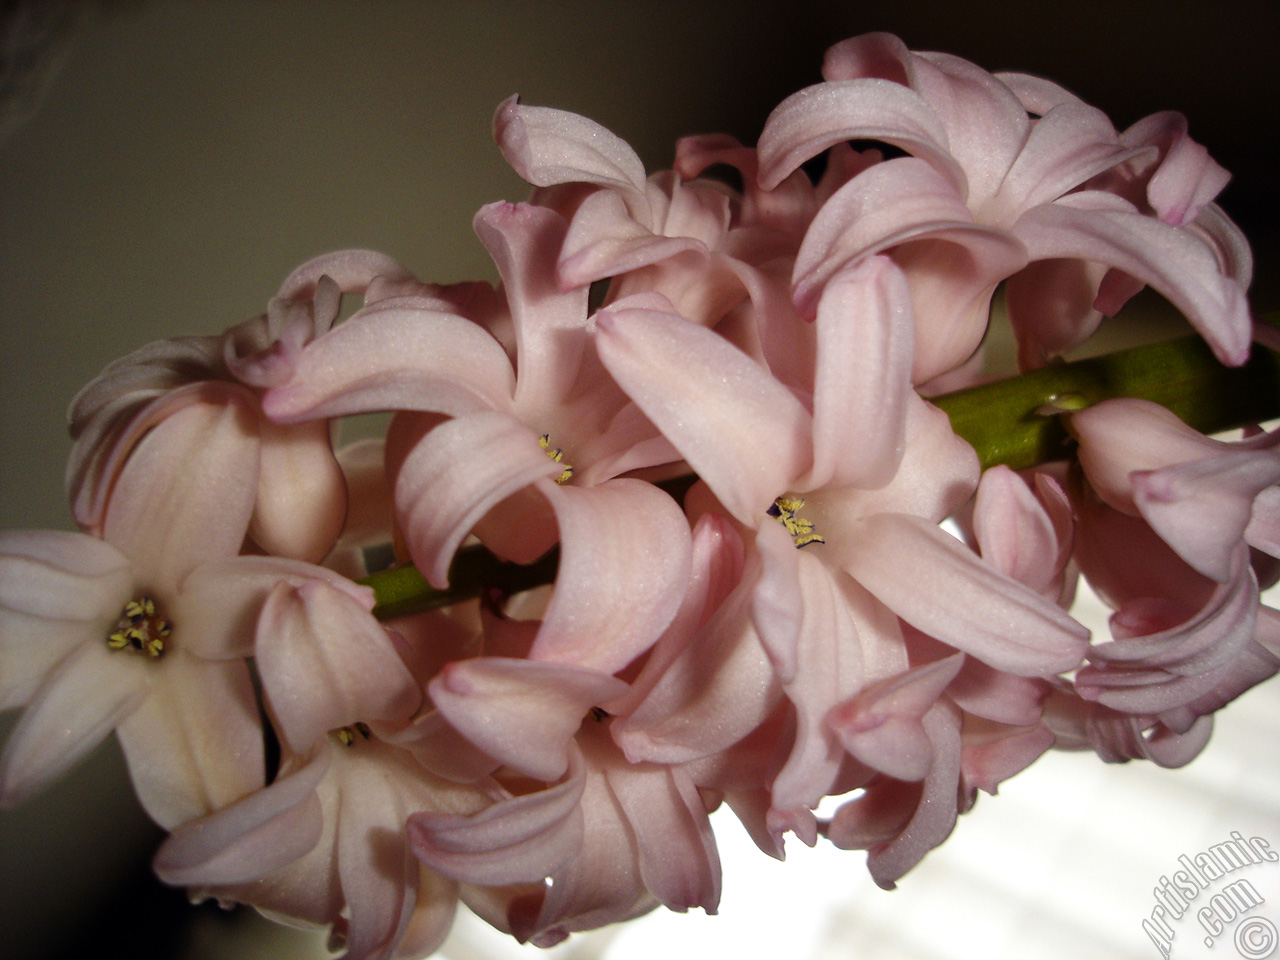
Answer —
99 636
840 502
987 192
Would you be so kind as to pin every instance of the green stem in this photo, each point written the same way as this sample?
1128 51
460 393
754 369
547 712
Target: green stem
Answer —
1013 422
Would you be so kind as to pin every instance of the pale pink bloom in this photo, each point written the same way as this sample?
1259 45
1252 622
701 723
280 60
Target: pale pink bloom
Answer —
525 459
871 469
611 840
325 842
1118 737
99 634
1206 498
902 727
988 190
688 239
300 498
1184 643
1177 734
898 822
546 723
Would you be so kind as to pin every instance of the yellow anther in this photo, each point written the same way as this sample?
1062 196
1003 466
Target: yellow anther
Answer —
140 628
346 736
557 456
784 510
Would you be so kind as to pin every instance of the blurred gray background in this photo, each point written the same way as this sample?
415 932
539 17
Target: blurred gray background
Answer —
165 163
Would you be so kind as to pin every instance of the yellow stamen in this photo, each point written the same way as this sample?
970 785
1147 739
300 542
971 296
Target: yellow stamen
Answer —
557 456
140 628
346 736
784 510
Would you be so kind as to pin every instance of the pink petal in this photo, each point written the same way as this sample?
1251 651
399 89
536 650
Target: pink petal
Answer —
935 816
1135 673
31 647
218 605
847 640
441 749
604 240
601 883
302 496
720 688
186 493
624 562
519 840
741 431
715 569
818 117
1187 177
935 477
882 725
952 272
195 744
549 324
938 585
1036 94
899 824
984 122
994 695
375 866
986 125
547 146
351 270
1176 263
678 860
1051 306
58 575
863 375
389 357
455 475
1202 508
876 54
521 712
985 764
886 204
1227 241
1119 436
777 607
1015 533
110 414
83 699
255 836
1070 144
326 663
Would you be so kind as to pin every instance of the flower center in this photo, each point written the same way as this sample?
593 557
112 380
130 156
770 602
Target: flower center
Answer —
346 736
557 456
140 628
784 510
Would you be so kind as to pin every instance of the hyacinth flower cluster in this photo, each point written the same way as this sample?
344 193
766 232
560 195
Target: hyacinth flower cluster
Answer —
669 501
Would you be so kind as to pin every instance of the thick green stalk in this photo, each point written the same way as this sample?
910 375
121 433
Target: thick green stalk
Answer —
1014 422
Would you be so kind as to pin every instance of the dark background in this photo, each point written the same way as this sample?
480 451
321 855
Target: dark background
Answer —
181 157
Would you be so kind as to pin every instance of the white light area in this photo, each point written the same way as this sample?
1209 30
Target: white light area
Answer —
1060 866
